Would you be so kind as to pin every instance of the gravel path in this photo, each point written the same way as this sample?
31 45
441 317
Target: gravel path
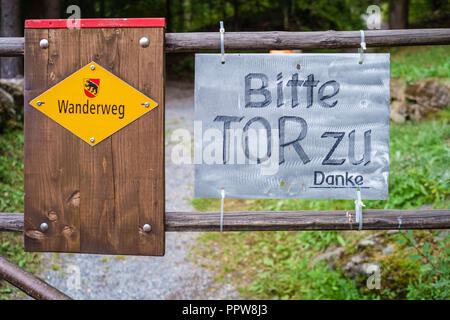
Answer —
131 277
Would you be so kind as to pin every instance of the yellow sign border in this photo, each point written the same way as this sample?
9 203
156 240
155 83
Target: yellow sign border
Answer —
106 130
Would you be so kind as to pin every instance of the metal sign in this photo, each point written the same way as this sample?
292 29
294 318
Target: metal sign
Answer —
292 126
93 103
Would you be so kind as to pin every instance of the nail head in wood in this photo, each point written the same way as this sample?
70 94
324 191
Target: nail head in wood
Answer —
44 43
144 42
44 227
147 227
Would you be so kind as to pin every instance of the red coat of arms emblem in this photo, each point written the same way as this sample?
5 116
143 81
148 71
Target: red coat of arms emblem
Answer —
91 87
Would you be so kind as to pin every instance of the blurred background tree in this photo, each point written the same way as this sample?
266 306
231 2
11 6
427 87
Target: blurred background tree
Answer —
238 15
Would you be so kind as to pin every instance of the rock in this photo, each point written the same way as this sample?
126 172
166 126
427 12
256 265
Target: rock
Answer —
11 101
429 93
398 111
366 243
15 88
356 259
7 108
392 232
417 99
356 267
367 268
6 99
397 89
330 256
441 236
388 249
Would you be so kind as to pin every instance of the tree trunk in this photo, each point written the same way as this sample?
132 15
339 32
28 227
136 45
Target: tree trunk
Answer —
168 15
236 14
285 13
398 14
11 27
52 9
181 16
102 9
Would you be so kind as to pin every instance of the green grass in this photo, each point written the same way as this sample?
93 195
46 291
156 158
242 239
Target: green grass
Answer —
415 63
419 158
282 265
11 171
11 200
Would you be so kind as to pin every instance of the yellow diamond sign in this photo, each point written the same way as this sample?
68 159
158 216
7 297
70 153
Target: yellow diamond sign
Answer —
93 103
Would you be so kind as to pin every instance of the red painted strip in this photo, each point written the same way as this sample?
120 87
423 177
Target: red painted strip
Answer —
95 23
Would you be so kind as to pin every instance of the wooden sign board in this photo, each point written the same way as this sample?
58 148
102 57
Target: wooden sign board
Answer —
95 197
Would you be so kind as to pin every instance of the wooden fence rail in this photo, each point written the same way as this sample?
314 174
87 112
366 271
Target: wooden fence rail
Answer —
28 283
300 220
208 41
286 220
257 221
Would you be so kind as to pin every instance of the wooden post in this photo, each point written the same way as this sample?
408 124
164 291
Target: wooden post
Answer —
95 199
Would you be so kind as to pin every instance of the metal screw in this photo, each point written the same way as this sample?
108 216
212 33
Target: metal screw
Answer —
144 42
44 227
92 67
146 104
44 43
40 103
147 228
92 140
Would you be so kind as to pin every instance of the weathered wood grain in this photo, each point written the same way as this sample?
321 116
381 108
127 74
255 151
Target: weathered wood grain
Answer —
288 220
125 143
308 220
36 176
92 198
28 283
151 160
12 47
12 222
207 41
97 193
51 152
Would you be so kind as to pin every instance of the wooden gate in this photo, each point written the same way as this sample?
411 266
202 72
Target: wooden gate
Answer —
94 198
115 206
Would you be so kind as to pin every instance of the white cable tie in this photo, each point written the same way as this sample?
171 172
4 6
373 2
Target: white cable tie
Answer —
362 48
222 193
358 209
222 46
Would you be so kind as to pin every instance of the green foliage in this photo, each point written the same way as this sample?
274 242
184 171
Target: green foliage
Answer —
434 278
11 200
282 265
419 157
196 15
415 63
11 171
432 14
